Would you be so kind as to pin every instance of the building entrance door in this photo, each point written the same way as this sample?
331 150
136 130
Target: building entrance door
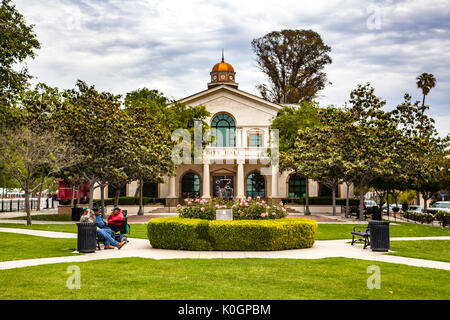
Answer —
223 187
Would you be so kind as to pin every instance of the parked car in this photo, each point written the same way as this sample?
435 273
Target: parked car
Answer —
417 209
439 206
370 203
391 207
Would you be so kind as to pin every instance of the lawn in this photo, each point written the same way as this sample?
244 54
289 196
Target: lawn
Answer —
426 249
223 279
46 217
324 232
20 246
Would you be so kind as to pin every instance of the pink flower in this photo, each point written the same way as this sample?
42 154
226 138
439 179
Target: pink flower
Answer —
274 214
217 206
258 197
202 209
263 215
241 213
284 210
197 200
249 199
234 206
186 200
189 202
281 203
178 206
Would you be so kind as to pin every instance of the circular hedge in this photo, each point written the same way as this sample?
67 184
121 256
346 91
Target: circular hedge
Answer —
242 235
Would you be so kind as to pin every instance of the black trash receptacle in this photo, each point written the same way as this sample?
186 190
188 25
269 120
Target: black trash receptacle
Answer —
87 237
76 214
379 235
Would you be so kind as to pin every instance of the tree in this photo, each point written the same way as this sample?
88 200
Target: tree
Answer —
24 152
373 135
320 152
425 82
95 122
154 118
294 61
288 122
17 43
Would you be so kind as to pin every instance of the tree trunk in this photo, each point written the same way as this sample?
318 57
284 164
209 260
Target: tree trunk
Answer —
418 197
72 197
425 199
307 212
38 207
27 206
387 202
347 199
333 198
102 200
91 194
136 193
361 201
141 198
78 195
116 199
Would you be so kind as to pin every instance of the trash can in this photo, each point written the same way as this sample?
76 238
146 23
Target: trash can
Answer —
379 235
76 214
87 237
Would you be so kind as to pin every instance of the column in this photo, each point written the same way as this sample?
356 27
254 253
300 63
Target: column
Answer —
240 194
172 184
205 184
172 199
274 182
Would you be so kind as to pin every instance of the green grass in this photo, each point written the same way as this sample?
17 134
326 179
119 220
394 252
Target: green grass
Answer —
19 246
438 250
399 229
324 232
46 217
225 279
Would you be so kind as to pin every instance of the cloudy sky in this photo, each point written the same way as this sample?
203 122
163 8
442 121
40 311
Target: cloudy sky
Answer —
171 46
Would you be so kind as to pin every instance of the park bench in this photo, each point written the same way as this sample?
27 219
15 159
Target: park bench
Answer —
362 233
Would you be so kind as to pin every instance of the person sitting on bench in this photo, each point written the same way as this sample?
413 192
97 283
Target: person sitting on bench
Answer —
115 219
106 233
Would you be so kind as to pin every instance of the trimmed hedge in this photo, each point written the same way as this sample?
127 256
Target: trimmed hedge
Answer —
321 201
237 235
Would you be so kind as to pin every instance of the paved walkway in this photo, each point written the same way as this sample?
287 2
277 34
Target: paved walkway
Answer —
142 248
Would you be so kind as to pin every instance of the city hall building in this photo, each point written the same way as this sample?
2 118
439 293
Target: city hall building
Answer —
235 165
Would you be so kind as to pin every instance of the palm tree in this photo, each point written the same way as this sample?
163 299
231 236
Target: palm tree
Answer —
425 81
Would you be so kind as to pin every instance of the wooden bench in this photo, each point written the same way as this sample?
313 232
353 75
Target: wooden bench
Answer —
362 233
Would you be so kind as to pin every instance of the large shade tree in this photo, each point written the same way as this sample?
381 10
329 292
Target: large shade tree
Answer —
293 61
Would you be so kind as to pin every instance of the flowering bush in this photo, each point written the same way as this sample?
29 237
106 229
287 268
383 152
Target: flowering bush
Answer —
197 209
244 209
257 209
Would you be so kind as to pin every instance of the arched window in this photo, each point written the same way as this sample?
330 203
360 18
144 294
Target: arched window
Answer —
190 185
297 186
223 129
255 185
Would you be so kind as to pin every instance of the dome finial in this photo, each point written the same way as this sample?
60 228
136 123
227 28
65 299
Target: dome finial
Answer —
222 55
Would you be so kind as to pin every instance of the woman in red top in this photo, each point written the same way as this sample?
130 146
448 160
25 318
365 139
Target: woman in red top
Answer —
116 218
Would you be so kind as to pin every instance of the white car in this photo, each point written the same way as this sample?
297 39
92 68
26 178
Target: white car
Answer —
391 206
439 206
417 209
370 203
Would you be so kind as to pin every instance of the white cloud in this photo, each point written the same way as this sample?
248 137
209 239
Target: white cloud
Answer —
172 45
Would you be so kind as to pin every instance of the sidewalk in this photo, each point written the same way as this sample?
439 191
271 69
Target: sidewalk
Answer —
142 248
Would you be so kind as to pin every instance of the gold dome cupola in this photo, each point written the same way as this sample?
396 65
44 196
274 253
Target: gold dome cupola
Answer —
222 73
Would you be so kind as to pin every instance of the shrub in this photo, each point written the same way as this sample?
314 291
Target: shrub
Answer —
197 209
127 201
420 217
180 234
443 218
244 235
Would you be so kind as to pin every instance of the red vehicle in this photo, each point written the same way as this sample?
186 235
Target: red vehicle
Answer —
65 192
